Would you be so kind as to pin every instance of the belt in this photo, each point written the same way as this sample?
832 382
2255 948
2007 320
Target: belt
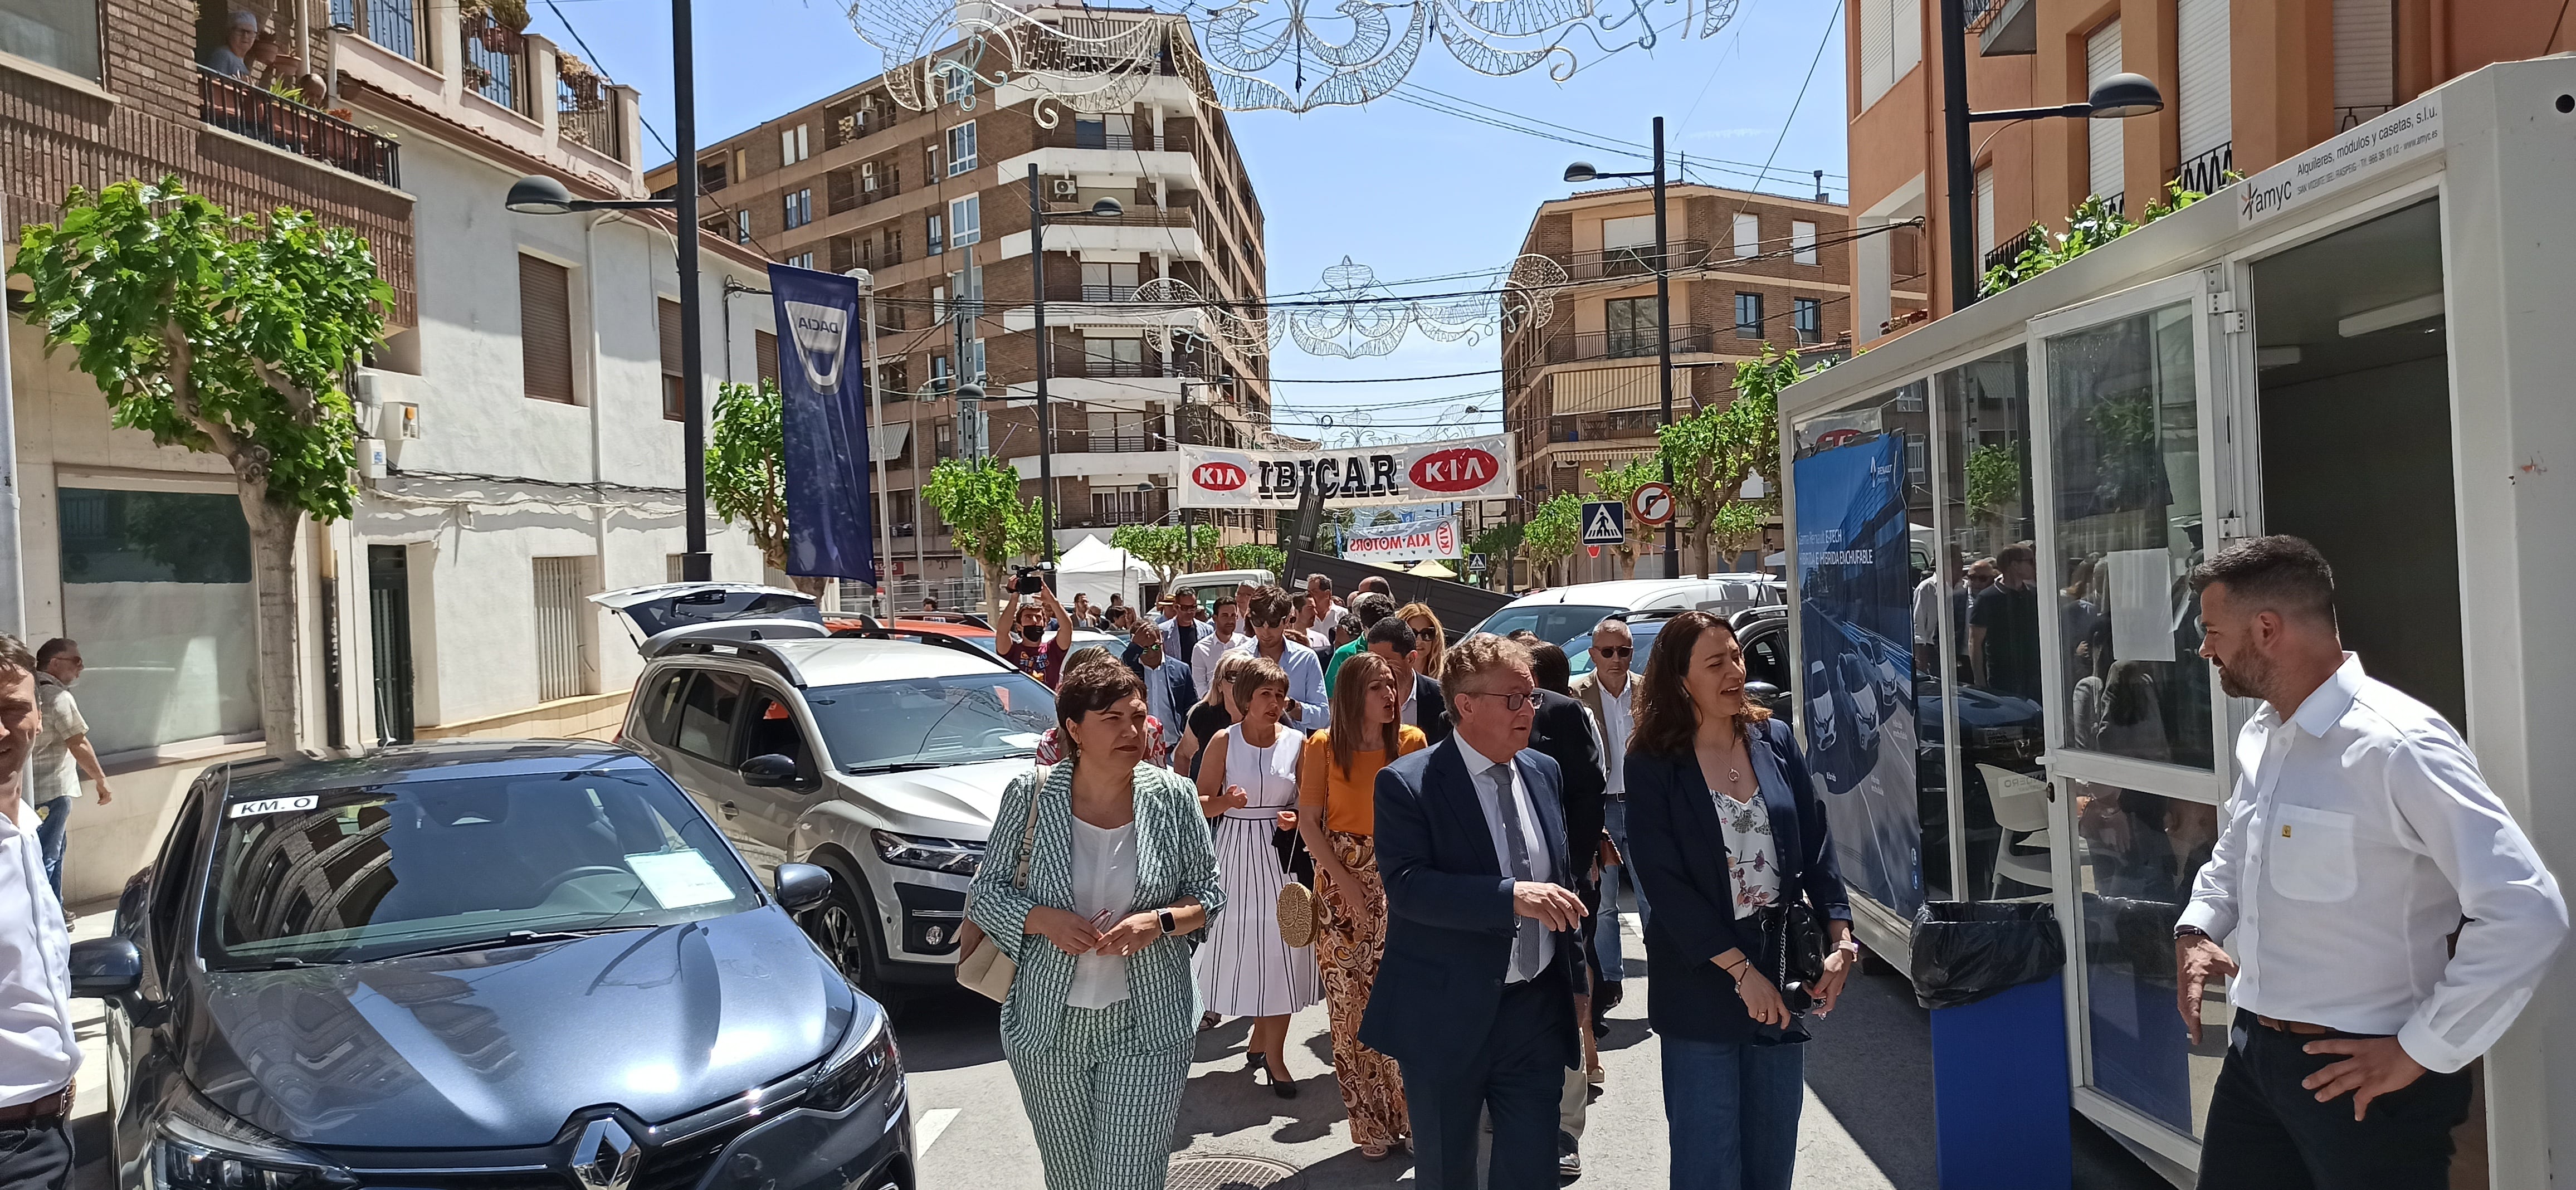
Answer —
1257 816
36 1109
2301 1028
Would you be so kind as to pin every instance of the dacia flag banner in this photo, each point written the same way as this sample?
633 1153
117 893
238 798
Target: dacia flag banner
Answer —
1856 620
829 530
1356 477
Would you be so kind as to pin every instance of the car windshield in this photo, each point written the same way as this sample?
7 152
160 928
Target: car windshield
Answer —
955 719
1555 623
359 874
1578 650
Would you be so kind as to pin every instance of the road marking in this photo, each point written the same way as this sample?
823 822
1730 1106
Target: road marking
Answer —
927 1127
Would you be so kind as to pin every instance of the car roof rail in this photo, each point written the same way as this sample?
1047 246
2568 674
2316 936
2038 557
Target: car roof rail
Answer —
753 651
958 644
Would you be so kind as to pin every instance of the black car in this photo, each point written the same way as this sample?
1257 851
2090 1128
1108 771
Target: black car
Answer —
480 966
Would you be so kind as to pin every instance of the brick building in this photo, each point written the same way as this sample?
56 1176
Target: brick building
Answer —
935 205
1582 394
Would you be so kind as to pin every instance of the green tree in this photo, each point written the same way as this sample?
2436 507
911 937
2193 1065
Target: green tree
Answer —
1553 532
222 335
988 520
1715 450
1994 479
1499 543
1255 557
747 469
1172 550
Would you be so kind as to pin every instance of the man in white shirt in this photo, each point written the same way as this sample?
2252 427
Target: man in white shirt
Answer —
1318 615
1610 694
1273 614
1223 636
2388 919
63 754
37 1051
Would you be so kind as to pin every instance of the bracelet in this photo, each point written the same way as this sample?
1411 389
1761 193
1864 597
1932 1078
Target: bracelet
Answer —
1848 946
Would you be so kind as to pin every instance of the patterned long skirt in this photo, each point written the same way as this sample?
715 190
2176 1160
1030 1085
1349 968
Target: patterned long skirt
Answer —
1350 937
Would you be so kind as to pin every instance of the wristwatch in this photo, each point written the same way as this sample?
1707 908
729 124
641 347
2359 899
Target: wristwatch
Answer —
2187 931
1165 916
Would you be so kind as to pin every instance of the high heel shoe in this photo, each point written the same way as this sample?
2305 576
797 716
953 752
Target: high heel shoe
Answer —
1285 1088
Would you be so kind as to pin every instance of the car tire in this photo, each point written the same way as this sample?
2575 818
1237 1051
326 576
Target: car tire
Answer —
845 927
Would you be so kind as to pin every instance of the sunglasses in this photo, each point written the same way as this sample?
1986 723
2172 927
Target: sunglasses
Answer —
1615 650
1511 702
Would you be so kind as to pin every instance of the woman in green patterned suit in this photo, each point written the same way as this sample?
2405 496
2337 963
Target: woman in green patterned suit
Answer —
1103 1014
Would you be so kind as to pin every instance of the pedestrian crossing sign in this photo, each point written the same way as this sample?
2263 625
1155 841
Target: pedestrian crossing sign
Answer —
1605 522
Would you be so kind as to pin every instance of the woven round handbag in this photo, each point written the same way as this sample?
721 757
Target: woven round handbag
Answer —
1296 914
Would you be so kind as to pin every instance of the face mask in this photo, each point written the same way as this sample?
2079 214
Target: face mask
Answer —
1032 632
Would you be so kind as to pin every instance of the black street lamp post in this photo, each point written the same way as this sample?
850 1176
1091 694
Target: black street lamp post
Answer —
1582 171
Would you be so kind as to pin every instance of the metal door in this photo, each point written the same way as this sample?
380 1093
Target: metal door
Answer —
559 629
389 623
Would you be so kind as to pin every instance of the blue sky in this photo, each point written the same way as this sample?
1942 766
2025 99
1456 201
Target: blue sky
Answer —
1406 191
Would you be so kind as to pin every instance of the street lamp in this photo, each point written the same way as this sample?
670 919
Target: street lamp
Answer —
1106 208
1582 171
539 195
2116 98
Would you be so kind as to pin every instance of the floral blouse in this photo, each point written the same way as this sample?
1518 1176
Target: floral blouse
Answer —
1752 864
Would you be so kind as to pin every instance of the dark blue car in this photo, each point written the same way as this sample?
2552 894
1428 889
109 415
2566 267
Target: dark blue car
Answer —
480 966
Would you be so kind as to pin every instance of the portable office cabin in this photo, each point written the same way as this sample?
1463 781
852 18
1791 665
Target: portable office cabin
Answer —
2371 345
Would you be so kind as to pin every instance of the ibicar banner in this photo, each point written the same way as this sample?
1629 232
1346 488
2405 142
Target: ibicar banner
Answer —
825 394
1358 477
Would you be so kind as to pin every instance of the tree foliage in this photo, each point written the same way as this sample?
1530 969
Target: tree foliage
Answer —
1994 479
2092 224
1554 531
1172 550
747 465
223 335
1255 557
987 518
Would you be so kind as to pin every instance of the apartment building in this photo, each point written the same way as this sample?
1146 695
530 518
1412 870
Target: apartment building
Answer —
1582 393
2246 84
520 393
935 205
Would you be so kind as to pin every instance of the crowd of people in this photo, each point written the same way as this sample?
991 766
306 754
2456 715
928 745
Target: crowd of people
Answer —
1423 837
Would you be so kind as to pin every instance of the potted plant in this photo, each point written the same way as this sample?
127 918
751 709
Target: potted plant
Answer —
580 79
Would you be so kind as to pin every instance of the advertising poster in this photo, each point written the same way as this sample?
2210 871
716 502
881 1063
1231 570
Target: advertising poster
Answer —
1856 675
824 391
1413 541
1354 477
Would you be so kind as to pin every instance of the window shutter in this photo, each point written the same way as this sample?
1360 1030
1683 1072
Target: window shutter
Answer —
2101 61
1877 49
2201 76
1748 235
670 319
765 353
1986 206
545 328
2365 60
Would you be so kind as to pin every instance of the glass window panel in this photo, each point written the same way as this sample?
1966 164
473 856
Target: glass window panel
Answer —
1987 510
2136 855
2127 460
157 588
62 34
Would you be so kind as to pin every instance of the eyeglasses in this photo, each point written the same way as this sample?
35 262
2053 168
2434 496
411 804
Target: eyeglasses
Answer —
1511 702
1615 650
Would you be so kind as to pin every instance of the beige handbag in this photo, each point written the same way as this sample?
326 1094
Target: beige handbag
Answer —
981 966
1296 914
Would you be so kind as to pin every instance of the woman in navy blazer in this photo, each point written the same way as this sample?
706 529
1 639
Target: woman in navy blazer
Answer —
1724 825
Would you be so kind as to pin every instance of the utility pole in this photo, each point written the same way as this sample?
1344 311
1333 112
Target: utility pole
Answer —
1037 309
876 428
1958 168
695 564
1664 342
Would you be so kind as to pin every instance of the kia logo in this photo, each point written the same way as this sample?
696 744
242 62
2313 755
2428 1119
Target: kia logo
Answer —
1218 477
1457 469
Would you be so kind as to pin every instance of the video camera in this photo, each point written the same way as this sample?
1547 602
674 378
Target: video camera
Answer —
1029 580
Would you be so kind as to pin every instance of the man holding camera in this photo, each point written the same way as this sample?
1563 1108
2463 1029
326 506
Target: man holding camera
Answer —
1029 649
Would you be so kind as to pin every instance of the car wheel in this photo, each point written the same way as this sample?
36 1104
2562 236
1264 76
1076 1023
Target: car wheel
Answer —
844 926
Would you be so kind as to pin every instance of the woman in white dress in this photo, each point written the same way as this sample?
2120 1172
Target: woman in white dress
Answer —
1248 790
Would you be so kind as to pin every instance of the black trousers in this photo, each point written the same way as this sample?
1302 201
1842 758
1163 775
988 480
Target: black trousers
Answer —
1518 1075
35 1155
2266 1132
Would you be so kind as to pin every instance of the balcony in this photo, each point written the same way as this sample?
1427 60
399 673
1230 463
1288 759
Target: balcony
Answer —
1076 366
585 115
271 119
393 24
2208 172
1637 261
496 64
1687 340
1104 293
2011 250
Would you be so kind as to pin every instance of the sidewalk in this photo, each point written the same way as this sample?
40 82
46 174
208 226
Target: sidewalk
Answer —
89 1105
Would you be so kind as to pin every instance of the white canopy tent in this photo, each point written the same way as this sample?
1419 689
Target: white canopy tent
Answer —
1094 567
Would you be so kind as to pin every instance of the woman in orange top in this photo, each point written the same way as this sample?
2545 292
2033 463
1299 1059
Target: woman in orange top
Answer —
1337 813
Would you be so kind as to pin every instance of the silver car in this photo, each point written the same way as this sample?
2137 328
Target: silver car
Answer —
882 760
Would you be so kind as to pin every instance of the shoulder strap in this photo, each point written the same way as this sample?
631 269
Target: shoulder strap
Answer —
1029 834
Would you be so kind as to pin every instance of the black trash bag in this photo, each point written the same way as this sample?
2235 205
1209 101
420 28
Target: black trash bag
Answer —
1965 951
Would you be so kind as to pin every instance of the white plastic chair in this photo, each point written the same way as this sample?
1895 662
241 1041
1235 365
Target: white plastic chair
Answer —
2021 807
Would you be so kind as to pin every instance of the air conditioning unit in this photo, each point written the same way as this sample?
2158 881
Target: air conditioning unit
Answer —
1067 188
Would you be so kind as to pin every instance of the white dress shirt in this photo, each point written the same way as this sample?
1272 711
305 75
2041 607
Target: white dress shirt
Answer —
37 1050
1204 655
1618 722
1533 837
2358 839
1404 712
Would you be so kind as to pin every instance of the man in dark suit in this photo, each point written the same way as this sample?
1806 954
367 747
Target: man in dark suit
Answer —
1562 729
1475 997
1423 705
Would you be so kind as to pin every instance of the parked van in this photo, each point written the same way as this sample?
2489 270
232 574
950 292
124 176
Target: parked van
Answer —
1563 613
1217 586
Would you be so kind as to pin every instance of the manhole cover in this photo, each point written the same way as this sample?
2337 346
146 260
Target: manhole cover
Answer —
1233 1173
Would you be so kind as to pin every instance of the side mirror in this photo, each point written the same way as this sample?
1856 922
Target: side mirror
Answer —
1764 694
106 968
802 886
769 771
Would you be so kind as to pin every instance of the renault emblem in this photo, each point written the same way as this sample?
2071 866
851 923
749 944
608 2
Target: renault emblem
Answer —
606 1156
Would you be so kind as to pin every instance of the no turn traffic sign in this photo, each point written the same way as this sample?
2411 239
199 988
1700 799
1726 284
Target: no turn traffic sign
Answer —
1651 504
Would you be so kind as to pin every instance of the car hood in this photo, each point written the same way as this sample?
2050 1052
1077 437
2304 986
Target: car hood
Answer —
957 802
498 1048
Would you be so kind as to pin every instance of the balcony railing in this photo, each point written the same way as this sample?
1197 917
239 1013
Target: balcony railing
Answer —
271 119
496 64
393 24
2011 250
1072 365
1637 261
585 115
1109 293
2208 172
1134 216
1125 441
1687 340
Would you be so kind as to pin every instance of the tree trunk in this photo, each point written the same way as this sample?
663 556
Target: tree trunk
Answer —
808 584
281 650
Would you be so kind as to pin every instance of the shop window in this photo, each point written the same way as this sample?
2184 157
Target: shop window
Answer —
62 34
157 588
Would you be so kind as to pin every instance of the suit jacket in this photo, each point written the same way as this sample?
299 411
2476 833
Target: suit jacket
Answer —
1679 853
1430 711
1560 730
1450 924
1174 858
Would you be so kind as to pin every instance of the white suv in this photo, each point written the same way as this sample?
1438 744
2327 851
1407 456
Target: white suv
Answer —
882 760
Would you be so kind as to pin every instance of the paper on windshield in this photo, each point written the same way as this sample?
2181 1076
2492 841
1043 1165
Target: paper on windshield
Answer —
679 879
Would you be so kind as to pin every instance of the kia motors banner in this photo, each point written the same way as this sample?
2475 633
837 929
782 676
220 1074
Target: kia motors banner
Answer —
1402 543
824 384
1357 477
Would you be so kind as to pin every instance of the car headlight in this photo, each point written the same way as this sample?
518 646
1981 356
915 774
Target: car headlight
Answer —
198 1146
861 1065
933 855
